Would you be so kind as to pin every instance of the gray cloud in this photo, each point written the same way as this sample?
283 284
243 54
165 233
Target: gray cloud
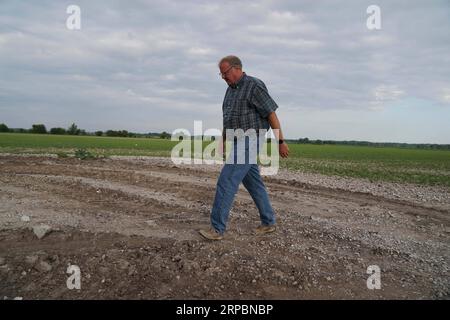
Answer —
151 65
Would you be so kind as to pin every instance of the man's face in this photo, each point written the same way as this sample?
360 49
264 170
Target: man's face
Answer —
230 74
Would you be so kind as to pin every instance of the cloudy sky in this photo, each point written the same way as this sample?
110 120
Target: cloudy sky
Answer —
150 66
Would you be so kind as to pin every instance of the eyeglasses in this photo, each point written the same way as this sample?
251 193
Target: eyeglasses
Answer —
225 73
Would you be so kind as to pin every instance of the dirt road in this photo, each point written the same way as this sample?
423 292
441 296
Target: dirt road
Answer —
131 226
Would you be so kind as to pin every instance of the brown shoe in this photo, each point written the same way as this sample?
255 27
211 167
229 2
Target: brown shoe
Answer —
211 234
264 229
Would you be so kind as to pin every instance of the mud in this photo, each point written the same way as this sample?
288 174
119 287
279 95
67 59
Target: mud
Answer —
131 225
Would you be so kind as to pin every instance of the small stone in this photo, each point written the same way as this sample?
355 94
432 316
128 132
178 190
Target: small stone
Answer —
151 223
2 261
103 270
5 269
43 266
123 264
31 259
25 218
18 298
42 230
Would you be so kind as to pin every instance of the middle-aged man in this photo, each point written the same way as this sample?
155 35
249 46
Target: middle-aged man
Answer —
247 105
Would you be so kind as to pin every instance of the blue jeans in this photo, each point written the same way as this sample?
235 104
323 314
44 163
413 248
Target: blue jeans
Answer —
232 174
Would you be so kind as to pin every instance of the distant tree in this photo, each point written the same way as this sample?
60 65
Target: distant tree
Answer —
38 128
115 133
4 127
99 133
73 130
164 135
83 132
122 133
303 140
57 131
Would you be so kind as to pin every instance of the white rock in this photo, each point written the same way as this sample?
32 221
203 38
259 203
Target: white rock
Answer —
25 218
18 298
43 266
42 230
151 223
31 259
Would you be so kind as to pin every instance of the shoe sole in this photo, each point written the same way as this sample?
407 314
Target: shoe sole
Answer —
260 233
207 236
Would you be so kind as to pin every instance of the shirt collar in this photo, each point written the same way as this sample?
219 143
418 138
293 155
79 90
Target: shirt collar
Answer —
239 82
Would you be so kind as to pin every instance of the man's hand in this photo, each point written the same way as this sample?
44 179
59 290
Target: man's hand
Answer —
275 125
284 150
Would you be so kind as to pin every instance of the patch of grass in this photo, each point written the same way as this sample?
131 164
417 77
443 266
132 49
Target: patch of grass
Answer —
62 154
83 154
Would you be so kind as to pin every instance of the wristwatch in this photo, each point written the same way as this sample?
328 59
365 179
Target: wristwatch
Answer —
280 141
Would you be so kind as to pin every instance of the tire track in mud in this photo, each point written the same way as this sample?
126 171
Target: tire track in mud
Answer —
207 180
331 224
179 186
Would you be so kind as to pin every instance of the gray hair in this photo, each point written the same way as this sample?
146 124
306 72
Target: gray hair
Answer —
232 60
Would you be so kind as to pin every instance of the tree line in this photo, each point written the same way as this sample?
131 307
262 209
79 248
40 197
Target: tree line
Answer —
73 130
433 146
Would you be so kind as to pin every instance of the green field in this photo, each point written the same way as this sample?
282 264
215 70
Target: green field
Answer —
426 167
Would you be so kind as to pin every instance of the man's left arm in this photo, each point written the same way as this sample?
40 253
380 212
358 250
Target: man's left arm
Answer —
276 128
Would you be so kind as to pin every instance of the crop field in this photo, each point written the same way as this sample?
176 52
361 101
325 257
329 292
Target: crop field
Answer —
424 167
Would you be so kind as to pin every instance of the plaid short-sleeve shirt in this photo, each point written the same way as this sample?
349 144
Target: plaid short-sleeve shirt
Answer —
247 104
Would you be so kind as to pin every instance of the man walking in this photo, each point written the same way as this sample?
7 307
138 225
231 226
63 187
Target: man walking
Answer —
248 106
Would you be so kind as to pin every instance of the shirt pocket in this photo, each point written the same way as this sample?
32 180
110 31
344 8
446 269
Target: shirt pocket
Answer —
241 108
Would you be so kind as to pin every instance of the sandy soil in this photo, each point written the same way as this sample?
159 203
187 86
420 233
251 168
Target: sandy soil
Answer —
131 225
